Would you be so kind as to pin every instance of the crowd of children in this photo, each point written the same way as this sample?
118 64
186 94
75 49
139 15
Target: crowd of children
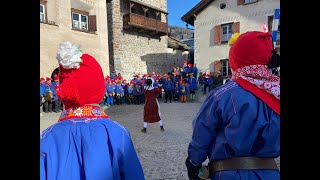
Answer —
177 85
49 100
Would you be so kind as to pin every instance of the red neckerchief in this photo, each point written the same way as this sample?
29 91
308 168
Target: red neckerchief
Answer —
259 80
86 111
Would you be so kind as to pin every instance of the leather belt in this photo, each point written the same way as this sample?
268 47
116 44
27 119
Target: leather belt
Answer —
242 163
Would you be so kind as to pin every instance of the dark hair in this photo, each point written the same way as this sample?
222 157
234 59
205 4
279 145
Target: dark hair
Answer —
274 61
149 82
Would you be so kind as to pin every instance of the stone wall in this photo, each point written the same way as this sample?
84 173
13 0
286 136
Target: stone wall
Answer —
133 51
250 16
175 57
51 36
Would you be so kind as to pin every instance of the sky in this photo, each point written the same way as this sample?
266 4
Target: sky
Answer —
178 8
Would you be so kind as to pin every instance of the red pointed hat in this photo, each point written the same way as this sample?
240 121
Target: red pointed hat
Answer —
48 79
81 77
42 79
249 57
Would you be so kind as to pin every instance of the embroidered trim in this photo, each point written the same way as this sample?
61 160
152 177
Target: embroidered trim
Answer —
88 112
262 77
225 88
46 131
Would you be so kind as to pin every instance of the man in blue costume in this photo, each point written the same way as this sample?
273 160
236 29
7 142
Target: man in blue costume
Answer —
168 88
110 90
238 126
85 144
193 85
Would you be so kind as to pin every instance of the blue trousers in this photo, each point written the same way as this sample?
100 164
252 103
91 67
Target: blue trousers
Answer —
110 100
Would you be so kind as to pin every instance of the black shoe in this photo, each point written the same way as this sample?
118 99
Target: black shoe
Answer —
170 101
161 127
165 102
144 130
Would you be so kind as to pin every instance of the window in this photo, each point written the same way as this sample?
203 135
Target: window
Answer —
42 13
83 21
79 21
227 32
223 32
225 70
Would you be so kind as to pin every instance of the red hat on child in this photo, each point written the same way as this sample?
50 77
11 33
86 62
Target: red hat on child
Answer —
190 65
56 77
42 79
81 77
48 79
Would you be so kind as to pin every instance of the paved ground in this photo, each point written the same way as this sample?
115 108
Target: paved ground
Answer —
162 154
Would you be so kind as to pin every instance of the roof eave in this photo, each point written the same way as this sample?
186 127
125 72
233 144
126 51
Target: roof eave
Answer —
189 16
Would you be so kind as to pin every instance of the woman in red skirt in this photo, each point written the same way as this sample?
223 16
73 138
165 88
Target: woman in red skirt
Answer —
151 112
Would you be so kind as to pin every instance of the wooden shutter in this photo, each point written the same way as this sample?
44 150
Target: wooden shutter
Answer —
217 34
236 27
217 65
92 23
240 2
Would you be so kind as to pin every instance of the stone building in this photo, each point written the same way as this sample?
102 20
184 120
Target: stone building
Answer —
215 21
83 22
177 51
138 36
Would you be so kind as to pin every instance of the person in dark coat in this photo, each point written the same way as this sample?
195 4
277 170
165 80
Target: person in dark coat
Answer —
217 79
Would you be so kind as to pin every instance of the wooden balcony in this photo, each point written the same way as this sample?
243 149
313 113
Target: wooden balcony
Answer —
145 23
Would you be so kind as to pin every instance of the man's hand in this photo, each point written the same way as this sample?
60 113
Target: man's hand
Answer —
193 171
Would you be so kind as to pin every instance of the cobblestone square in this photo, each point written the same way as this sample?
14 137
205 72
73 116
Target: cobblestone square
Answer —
162 154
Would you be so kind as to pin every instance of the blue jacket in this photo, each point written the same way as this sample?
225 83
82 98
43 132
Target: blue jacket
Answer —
130 90
168 85
208 81
193 83
79 148
110 88
118 89
42 90
185 69
233 122
177 90
185 88
53 89
136 90
195 71
155 84
176 79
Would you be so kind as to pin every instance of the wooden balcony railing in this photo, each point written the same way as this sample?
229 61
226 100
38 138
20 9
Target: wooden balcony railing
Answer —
140 21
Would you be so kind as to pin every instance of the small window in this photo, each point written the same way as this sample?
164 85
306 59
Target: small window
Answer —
227 32
42 13
249 1
79 21
225 70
